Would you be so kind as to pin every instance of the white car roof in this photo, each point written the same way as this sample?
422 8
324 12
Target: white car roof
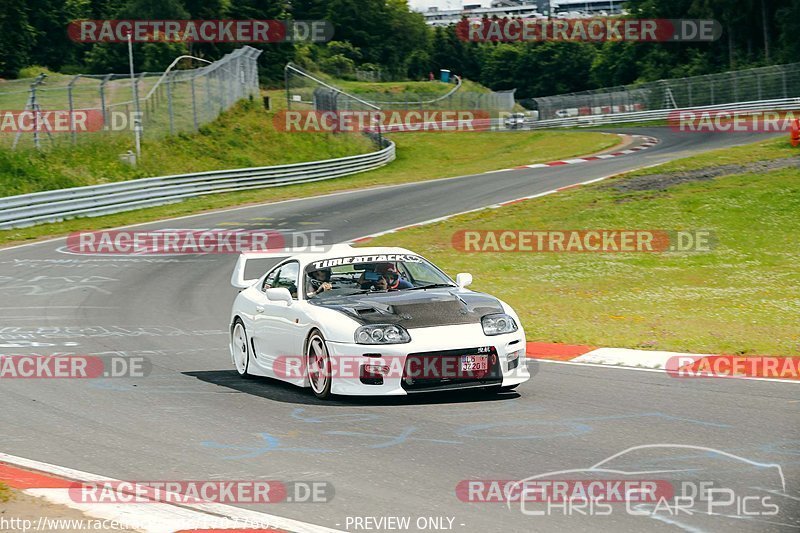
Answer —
345 250
307 257
332 252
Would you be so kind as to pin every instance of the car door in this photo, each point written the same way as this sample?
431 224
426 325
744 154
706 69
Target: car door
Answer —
261 306
279 328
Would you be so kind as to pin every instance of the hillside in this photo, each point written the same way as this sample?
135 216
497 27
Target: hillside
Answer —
241 137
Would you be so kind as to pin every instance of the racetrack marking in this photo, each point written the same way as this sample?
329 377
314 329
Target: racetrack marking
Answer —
628 357
49 481
649 142
561 352
49 285
641 369
59 307
653 359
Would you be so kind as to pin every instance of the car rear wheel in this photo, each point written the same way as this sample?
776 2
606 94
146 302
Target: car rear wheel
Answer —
318 362
240 348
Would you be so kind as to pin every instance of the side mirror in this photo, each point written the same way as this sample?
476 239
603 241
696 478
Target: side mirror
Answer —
281 294
464 279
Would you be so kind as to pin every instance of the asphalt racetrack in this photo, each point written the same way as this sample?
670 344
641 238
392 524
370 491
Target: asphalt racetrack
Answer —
193 418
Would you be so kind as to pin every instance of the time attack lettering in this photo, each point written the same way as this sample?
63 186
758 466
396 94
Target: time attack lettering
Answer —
388 258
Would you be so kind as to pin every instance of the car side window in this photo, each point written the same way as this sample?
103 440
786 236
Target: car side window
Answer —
269 281
288 278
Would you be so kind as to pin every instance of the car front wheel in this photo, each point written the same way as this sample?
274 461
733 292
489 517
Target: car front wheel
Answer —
318 362
239 347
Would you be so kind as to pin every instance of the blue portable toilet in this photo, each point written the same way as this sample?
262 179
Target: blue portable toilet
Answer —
445 75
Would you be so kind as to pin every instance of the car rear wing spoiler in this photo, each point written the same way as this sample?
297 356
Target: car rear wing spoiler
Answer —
237 278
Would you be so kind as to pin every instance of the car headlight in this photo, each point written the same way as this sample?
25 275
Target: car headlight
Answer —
498 324
382 334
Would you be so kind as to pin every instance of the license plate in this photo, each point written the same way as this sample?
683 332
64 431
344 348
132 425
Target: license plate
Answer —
474 363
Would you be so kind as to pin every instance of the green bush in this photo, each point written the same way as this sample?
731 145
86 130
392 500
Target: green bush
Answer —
34 70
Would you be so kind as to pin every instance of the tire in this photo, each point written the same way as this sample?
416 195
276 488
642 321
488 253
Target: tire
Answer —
240 347
318 363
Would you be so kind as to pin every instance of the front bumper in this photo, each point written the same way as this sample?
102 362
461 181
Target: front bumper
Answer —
510 368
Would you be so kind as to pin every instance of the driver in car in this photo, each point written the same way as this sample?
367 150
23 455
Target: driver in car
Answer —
318 281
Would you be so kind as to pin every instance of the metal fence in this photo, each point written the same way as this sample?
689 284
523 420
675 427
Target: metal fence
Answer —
95 200
752 85
456 98
168 102
316 91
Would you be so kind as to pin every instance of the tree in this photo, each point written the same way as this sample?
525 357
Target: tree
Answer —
345 49
444 49
17 38
500 66
50 18
338 65
788 18
388 34
408 33
308 9
418 64
205 10
274 55
153 57
616 63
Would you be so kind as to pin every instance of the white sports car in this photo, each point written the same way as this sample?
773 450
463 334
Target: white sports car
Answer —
372 321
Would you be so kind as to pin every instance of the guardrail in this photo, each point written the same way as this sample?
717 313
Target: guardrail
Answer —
781 104
95 200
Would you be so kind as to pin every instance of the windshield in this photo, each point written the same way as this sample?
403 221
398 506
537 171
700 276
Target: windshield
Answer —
364 274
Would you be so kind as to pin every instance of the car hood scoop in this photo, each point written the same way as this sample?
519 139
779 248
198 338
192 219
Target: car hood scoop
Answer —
417 309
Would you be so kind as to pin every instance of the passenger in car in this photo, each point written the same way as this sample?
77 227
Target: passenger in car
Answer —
394 281
385 277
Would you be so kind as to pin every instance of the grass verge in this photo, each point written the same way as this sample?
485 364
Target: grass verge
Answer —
420 156
426 88
743 297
